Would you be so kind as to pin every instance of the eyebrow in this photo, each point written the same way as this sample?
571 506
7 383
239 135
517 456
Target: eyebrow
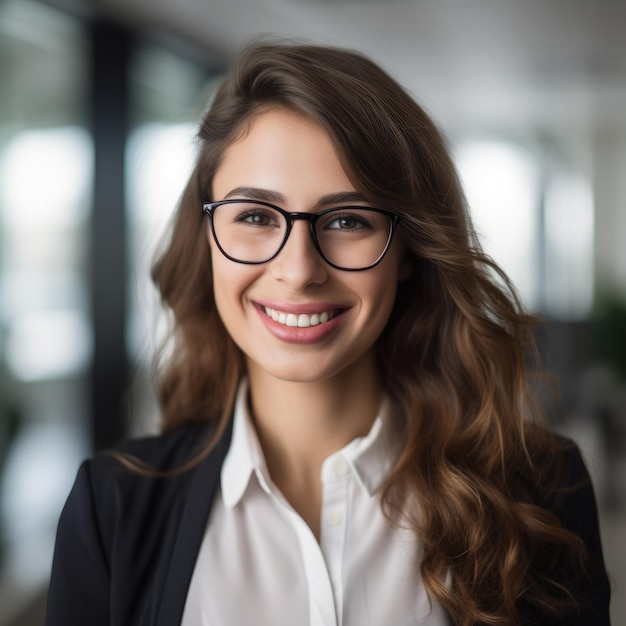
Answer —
256 193
274 197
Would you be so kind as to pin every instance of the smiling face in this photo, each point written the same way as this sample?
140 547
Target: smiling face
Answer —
295 317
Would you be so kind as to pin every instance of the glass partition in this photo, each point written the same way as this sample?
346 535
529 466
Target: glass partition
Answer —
45 333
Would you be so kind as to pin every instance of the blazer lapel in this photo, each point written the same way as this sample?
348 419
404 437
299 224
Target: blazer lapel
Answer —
190 533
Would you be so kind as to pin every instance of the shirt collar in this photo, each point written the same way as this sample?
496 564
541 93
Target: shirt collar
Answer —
245 456
369 457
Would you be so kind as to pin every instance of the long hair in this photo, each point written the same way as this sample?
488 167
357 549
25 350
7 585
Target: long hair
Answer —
456 355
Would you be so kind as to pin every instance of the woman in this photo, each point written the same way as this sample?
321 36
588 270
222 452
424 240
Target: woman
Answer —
349 434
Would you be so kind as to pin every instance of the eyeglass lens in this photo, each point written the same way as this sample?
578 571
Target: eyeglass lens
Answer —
349 237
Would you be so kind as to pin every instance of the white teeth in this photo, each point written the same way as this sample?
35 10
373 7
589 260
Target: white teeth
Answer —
301 321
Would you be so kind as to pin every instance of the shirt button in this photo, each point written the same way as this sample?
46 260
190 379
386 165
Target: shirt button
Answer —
335 518
341 466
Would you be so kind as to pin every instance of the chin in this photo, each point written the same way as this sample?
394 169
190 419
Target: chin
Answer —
298 375
313 369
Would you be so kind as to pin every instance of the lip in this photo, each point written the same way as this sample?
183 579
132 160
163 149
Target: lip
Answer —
295 334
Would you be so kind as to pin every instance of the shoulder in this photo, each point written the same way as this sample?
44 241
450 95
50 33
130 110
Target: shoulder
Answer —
560 476
572 499
556 478
120 525
164 451
158 462
145 482
564 488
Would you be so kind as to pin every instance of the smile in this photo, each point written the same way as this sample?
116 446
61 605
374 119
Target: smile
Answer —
301 320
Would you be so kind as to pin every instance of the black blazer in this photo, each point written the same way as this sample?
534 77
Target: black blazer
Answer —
127 545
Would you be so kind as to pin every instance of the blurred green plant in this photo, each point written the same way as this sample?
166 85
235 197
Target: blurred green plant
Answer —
608 323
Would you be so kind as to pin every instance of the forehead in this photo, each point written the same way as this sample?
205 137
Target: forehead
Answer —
269 126
283 151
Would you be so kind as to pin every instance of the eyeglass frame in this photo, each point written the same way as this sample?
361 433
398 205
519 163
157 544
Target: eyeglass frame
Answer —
208 209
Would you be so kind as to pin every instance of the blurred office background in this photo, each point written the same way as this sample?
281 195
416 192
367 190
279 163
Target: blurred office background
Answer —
98 104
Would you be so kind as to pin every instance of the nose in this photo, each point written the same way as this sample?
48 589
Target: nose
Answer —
299 264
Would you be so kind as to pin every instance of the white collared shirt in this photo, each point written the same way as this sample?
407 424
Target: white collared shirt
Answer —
260 564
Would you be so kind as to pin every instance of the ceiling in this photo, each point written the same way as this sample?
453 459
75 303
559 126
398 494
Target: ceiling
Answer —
480 61
550 70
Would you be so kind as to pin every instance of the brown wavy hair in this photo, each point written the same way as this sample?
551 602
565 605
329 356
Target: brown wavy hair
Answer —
457 354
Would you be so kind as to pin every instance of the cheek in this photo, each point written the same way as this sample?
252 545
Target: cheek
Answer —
223 283
230 282
385 300
382 283
378 295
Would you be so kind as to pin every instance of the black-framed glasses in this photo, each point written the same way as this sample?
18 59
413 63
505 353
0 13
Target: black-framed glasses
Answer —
350 238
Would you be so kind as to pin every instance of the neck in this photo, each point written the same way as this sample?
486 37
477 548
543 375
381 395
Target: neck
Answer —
299 424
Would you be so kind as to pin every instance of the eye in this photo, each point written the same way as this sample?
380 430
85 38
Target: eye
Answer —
255 216
251 217
347 222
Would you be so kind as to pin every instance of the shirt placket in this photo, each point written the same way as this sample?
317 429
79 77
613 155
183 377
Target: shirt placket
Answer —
322 610
334 523
323 562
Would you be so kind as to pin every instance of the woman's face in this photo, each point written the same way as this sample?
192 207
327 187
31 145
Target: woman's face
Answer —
289 161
